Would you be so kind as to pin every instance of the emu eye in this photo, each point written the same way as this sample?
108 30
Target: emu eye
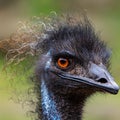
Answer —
63 63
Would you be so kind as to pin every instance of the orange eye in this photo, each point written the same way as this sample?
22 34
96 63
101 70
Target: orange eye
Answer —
63 63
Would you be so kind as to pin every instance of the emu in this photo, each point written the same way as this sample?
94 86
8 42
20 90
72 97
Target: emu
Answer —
73 66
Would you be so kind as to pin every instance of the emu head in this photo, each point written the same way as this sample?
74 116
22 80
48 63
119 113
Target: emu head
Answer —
75 61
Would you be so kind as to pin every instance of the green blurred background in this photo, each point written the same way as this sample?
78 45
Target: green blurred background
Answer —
105 14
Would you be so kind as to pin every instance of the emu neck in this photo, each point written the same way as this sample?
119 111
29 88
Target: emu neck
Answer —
57 106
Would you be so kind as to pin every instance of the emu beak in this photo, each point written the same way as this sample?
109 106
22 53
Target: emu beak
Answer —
103 78
99 77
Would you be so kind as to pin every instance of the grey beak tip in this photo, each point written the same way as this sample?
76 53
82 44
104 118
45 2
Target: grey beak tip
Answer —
115 90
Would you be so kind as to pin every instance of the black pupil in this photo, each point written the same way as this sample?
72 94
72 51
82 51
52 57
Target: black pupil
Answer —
63 61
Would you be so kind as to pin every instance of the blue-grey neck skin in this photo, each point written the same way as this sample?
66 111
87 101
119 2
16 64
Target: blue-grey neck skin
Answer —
48 104
49 108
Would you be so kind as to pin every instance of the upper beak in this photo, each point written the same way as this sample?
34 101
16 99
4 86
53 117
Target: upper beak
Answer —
99 77
103 78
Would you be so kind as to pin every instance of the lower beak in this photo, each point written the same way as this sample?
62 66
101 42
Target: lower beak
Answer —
99 77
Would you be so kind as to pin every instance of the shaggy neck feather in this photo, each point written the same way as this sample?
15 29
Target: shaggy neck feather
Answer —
59 107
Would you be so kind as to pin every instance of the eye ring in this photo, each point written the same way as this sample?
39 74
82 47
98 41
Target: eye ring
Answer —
63 63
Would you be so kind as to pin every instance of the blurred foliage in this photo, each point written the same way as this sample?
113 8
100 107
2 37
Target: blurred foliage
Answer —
36 7
14 79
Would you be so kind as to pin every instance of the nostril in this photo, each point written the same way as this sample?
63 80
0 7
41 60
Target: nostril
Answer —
102 80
